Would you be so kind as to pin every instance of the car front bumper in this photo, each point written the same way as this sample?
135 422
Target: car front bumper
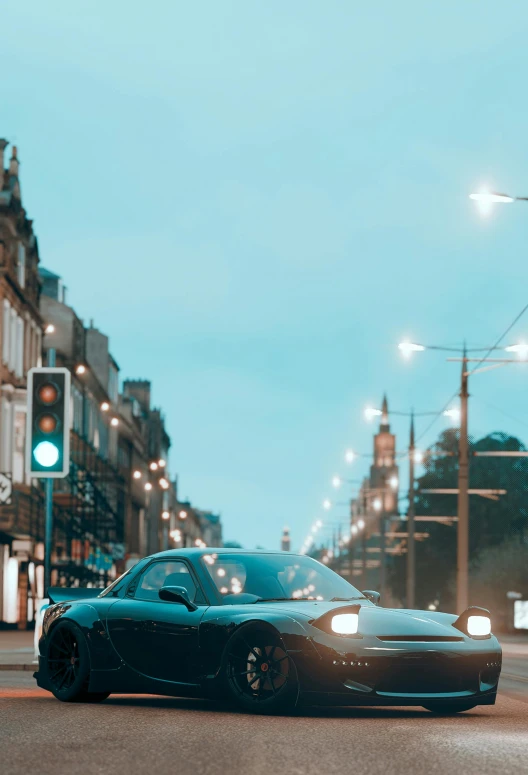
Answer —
368 671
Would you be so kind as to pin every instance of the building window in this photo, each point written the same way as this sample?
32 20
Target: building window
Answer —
6 338
113 386
7 436
19 439
21 266
19 356
12 341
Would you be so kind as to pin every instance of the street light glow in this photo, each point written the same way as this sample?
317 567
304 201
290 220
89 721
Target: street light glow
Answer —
370 413
376 504
148 486
490 197
393 481
350 456
114 421
182 515
162 463
354 530
137 474
418 456
520 349
453 413
327 504
153 466
361 524
165 515
164 484
80 369
336 481
408 348
105 406
50 329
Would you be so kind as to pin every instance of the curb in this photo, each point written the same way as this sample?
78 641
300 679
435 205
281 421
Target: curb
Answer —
33 667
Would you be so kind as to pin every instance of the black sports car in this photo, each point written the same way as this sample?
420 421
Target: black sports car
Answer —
265 630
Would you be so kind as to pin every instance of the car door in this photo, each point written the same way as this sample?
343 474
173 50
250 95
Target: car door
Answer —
157 638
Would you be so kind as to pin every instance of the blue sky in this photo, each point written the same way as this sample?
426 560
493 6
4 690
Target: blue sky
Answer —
256 201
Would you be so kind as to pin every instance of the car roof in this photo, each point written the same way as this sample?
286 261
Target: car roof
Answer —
197 552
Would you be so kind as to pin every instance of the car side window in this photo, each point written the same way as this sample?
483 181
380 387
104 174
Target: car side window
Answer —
166 573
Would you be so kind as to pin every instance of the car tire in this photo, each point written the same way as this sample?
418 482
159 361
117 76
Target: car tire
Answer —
448 708
68 665
258 674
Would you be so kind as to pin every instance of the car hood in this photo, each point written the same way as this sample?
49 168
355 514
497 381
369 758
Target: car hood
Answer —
374 620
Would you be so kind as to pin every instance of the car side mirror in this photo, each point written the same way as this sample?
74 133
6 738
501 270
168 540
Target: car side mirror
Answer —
177 595
372 595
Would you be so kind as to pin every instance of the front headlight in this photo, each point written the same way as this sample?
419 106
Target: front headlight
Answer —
345 624
478 626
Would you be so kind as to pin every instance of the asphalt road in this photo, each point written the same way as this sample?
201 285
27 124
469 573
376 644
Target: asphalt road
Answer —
164 735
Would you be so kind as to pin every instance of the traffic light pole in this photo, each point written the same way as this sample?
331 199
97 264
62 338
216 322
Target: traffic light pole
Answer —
48 526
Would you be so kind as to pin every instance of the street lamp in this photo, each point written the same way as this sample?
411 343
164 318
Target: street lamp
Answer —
350 456
327 504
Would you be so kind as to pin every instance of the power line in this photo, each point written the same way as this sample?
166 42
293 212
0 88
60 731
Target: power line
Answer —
501 337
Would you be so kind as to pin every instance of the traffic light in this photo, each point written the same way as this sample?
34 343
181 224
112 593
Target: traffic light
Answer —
48 422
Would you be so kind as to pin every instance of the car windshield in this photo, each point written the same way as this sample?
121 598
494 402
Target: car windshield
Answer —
250 578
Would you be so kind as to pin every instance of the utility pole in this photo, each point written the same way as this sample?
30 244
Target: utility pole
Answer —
463 494
382 542
411 568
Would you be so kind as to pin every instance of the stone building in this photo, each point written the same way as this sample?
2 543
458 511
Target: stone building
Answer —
20 349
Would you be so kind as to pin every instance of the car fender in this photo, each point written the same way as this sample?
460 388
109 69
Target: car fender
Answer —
216 632
102 654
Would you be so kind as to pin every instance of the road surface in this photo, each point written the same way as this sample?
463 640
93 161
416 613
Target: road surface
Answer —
157 735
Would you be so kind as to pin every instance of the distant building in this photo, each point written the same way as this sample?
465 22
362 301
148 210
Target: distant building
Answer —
285 540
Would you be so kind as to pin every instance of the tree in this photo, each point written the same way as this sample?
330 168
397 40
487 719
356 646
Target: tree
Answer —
491 522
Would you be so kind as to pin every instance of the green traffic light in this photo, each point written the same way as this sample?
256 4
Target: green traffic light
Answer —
46 454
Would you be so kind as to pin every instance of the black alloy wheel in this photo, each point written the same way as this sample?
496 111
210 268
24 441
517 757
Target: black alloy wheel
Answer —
449 708
261 677
68 665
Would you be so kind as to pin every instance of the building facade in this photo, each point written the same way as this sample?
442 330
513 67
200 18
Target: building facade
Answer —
20 349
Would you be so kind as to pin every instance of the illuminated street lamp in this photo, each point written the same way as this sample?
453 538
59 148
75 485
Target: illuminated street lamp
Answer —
336 481
165 515
370 413
350 456
393 481
182 514
50 329
137 474
377 504
327 504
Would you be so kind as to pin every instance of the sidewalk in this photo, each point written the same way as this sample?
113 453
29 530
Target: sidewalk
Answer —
16 648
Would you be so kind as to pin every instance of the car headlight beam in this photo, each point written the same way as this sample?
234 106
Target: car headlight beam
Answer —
345 624
478 626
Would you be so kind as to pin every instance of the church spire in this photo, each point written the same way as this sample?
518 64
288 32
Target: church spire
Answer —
384 425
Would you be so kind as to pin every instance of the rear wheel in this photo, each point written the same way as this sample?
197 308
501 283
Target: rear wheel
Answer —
68 665
448 708
260 676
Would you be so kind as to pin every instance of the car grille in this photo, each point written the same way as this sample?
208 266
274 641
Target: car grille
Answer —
435 673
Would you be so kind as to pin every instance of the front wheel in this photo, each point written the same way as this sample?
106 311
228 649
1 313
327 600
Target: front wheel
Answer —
260 676
68 665
448 709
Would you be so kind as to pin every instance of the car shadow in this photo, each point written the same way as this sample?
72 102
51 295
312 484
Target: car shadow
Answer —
209 706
